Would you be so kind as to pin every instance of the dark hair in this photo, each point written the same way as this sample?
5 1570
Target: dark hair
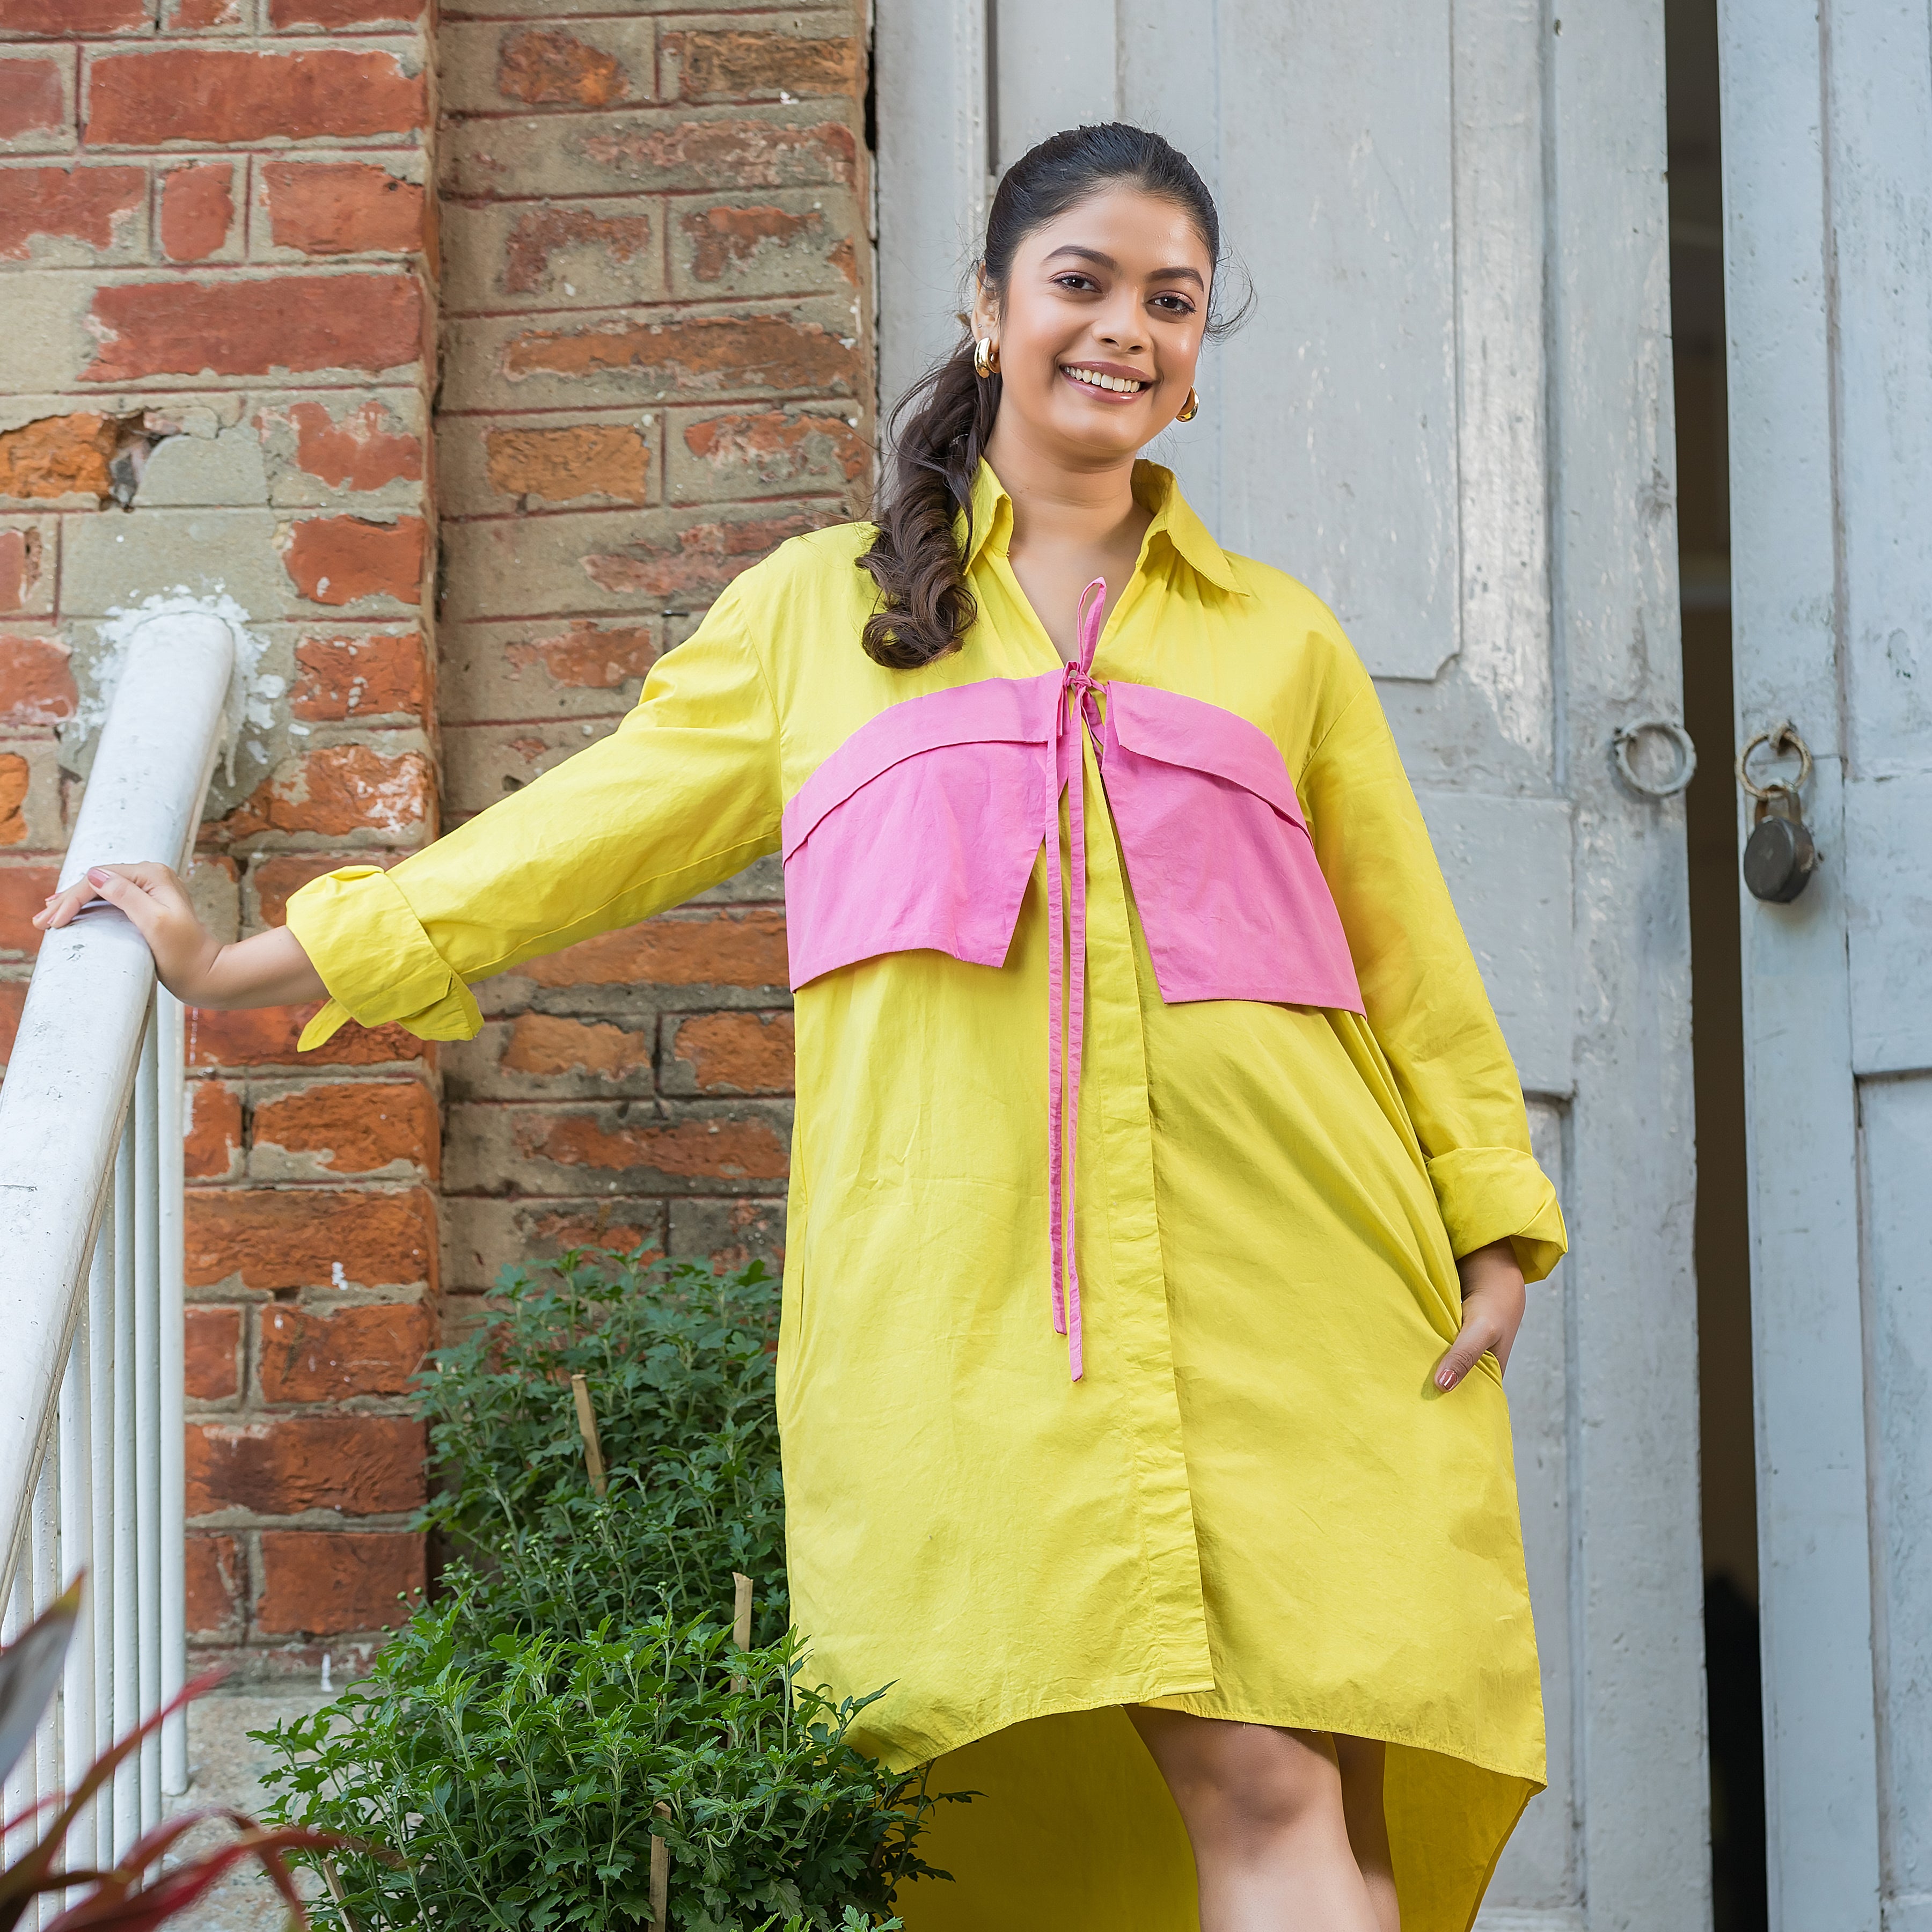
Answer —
940 429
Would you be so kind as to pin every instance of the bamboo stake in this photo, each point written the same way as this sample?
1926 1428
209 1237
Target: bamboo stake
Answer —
661 1879
334 1885
741 1621
586 1427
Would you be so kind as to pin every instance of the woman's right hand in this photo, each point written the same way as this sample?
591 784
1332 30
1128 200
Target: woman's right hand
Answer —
268 969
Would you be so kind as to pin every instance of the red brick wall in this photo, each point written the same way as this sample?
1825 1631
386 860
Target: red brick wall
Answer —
657 329
217 226
222 257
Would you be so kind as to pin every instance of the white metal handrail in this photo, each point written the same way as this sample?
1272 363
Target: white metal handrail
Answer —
91 1338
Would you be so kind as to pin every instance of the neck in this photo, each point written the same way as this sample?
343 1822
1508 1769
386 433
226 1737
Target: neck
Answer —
1056 505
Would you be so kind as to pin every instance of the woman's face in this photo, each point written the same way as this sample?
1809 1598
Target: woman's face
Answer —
1113 292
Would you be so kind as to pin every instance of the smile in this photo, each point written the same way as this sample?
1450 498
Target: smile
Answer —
1098 379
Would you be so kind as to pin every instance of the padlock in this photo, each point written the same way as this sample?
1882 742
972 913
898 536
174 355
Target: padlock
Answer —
1780 855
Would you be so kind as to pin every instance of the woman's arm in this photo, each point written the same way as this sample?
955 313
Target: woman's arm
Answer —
269 970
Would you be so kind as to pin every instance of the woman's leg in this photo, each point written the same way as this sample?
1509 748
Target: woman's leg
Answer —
1264 1813
1361 1760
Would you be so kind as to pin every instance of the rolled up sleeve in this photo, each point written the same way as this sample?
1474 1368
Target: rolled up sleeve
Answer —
1423 993
683 794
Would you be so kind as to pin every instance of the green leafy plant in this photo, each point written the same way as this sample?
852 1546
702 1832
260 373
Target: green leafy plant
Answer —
577 1690
134 1895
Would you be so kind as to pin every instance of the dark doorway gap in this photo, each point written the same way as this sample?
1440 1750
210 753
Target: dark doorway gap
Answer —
1729 1485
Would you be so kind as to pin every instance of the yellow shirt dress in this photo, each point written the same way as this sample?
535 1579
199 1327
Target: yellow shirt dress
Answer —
1254 1505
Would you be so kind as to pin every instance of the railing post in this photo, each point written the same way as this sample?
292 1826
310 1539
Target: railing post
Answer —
169 1036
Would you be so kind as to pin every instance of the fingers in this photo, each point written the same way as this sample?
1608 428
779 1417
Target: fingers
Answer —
142 892
1480 1334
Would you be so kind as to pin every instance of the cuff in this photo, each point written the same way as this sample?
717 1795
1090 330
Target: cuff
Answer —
1491 1194
364 939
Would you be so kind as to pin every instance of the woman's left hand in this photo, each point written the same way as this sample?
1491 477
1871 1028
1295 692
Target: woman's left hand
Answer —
1492 1303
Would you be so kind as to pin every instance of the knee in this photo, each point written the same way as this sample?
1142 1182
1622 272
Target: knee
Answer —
1260 1783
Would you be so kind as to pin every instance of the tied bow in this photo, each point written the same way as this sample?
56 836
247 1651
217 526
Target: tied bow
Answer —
1066 965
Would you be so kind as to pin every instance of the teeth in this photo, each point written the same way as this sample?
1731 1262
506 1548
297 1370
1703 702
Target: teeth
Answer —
1099 381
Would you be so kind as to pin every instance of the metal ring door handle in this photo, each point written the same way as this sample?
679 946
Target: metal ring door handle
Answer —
1687 757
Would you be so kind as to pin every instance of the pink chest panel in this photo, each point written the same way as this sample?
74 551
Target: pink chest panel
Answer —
922 828
921 831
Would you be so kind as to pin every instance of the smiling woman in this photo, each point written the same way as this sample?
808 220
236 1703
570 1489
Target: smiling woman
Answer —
1140 1384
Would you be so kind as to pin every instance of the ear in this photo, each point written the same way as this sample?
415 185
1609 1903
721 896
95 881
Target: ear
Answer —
986 314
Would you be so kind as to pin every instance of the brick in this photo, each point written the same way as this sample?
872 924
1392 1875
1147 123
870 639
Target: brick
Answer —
700 353
21 550
388 1128
329 14
358 452
627 151
568 464
343 207
274 876
330 1582
254 327
551 253
357 1465
213 1142
23 891
486 1236
13 1003
100 208
699 560
266 1036
541 1043
733 65
185 16
763 452
197 211
36 680
542 234
342 559
551 67
73 16
308 1238
759 250
212 1364
314 1355
729 1232
16 775
481 763
742 947
595 656
33 99
375 675
717 1149
213 1576
623 562
340 789
60 456
734 1052
231 97
562 669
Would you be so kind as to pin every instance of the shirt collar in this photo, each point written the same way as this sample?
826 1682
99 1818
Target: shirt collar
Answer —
1155 487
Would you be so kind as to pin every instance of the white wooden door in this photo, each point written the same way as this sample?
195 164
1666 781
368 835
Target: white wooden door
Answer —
1450 415
1828 192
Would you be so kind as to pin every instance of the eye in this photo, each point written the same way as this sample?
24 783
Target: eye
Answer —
1077 283
1174 305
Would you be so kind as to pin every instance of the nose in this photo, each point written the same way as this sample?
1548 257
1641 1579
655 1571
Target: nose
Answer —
1119 324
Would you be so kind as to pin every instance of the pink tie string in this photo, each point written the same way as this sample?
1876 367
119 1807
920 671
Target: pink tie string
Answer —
1066 989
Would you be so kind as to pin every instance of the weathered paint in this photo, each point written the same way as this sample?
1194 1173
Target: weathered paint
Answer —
1828 184
1456 224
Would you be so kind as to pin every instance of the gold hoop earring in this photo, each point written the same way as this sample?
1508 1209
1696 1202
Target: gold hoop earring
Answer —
1190 408
985 358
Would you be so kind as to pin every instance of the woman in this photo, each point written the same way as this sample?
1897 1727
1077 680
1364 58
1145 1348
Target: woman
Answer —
1268 1172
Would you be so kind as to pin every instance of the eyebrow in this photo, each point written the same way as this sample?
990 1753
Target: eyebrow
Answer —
1180 273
